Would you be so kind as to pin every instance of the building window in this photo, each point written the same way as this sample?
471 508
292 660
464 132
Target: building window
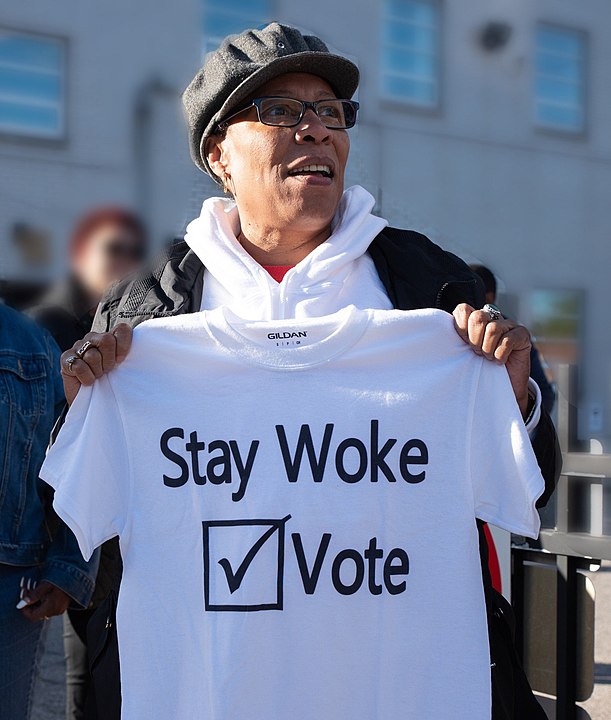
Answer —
32 85
410 52
222 18
560 79
557 318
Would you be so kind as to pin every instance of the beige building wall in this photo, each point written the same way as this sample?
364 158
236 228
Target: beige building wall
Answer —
475 173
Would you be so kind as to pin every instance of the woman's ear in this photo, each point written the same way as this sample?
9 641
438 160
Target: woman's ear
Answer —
213 152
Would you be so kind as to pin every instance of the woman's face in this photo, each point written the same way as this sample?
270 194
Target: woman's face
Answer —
109 253
262 162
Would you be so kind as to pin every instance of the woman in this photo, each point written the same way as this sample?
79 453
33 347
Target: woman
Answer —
268 116
106 244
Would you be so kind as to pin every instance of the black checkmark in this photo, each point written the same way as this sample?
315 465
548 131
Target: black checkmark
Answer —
234 580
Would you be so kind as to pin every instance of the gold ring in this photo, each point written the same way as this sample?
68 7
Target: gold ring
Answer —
70 361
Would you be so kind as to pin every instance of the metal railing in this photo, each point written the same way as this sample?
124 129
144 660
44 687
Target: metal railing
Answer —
576 532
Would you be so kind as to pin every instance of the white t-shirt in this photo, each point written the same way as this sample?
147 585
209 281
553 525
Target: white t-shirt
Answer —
296 504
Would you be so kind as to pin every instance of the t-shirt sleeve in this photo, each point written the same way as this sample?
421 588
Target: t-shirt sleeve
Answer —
88 466
505 476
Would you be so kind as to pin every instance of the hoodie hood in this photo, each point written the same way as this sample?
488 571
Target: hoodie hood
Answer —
337 273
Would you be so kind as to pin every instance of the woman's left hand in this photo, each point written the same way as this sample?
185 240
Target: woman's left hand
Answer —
44 601
501 340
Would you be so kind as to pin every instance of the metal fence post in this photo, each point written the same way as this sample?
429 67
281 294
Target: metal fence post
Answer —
566 638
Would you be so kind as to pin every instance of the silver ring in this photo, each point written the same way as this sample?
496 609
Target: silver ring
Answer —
70 360
493 311
83 349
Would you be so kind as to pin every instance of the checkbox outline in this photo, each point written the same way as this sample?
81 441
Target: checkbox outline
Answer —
280 524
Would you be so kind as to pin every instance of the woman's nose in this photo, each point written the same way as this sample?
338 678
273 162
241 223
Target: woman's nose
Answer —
311 128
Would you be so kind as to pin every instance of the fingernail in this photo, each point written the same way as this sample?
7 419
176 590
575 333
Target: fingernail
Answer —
22 603
22 582
29 581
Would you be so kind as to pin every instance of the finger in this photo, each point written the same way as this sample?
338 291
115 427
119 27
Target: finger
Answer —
89 338
461 315
503 350
66 367
93 358
38 612
37 592
24 590
494 331
516 339
98 350
34 599
77 370
106 345
123 335
69 359
54 602
478 320
89 349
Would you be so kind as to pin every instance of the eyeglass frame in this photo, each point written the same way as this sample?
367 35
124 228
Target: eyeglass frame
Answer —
305 106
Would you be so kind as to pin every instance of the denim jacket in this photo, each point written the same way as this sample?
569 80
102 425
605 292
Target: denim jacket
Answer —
31 397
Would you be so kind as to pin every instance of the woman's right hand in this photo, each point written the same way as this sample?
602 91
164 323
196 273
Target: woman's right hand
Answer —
102 351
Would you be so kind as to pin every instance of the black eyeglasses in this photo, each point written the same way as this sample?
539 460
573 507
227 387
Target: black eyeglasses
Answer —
288 112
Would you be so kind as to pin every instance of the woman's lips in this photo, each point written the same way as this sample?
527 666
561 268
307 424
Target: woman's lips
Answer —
318 171
312 178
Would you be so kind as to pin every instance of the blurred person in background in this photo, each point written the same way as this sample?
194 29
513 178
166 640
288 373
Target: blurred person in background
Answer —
537 373
107 244
267 116
42 571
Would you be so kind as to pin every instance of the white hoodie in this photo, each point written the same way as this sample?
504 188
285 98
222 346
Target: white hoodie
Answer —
339 272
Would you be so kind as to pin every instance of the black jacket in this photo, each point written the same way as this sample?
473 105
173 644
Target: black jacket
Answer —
65 312
416 273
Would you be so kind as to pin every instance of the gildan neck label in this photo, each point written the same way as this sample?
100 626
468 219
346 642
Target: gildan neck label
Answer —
290 338
289 344
286 333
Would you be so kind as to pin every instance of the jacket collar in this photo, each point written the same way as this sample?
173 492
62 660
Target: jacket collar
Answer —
415 273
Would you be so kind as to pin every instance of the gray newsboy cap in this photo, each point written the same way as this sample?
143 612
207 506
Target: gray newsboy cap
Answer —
243 63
